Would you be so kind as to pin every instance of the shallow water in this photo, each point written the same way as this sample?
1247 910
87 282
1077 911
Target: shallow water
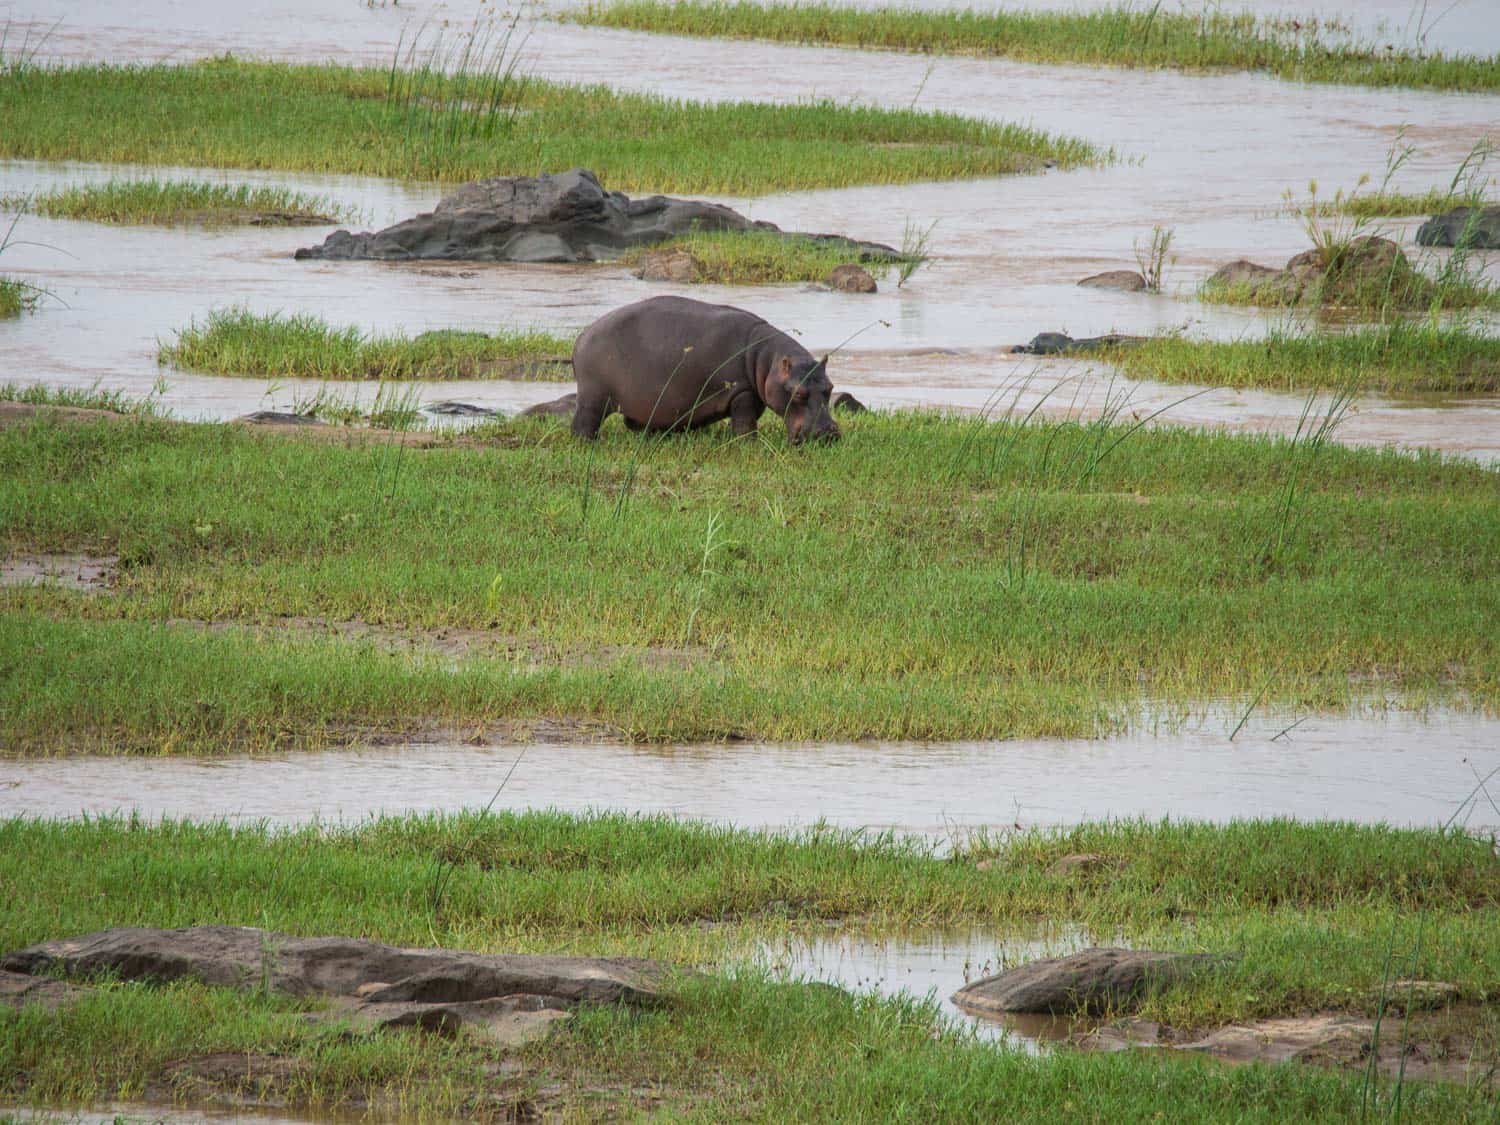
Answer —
935 963
1396 768
1209 157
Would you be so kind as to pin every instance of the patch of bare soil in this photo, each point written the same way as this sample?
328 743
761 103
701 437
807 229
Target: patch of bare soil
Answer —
68 571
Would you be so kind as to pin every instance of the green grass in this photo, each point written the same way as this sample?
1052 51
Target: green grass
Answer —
16 297
93 398
1310 910
175 203
1394 204
924 578
223 114
1396 358
1128 35
754 258
236 341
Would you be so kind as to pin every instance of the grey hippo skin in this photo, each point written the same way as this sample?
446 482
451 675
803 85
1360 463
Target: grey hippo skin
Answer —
673 363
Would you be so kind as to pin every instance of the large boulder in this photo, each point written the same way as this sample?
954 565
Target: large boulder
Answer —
1477 227
568 217
1090 981
241 956
1126 281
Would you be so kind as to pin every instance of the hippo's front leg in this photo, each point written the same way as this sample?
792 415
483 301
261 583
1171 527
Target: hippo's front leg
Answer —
745 410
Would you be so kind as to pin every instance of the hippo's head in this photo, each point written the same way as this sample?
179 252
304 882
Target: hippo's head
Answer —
798 390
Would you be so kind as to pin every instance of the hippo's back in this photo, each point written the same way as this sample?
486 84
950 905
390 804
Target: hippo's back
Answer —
652 338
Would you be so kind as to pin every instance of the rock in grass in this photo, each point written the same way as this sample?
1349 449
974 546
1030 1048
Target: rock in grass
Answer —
1368 271
1083 863
1477 227
1126 281
850 278
277 418
1090 981
557 407
460 410
18 990
242 956
846 402
568 217
670 265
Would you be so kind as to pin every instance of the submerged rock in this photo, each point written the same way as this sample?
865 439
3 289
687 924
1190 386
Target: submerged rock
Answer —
461 410
242 956
1126 281
850 278
1477 227
844 401
1089 981
277 418
1059 343
568 217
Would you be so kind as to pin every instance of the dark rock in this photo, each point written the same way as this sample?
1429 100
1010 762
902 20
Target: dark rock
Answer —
18 990
1090 981
558 407
670 265
850 278
461 410
1058 343
568 217
843 400
1126 281
277 418
243 956
1477 227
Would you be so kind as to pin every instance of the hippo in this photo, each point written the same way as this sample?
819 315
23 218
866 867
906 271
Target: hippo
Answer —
673 363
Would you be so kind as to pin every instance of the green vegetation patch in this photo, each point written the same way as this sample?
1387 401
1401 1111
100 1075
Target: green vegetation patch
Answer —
1311 913
236 341
16 297
1131 35
224 113
754 257
926 577
176 203
1395 204
1395 358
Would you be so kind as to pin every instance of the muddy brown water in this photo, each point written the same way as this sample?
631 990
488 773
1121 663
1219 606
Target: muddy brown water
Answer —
1208 156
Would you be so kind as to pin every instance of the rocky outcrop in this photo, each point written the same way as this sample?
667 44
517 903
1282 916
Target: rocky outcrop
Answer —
241 956
1090 981
1478 228
562 407
568 217
1368 271
1126 281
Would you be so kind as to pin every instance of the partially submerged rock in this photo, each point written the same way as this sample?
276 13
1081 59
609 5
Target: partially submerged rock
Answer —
1477 228
1059 343
1089 981
1367 271
673 264
242 956
843 400
568 217
562 407
850 278
276 418
460 410
1126 281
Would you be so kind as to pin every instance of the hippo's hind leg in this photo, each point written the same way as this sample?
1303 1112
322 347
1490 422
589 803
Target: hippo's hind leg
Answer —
589 414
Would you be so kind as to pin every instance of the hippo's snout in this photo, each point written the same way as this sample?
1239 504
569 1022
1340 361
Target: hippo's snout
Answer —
825 429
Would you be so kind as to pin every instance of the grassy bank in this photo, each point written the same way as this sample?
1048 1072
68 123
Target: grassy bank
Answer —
1129 35
1311 912
224 114
236 341
176 203
1396 358
751 258
16 297
1397 204
926 577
